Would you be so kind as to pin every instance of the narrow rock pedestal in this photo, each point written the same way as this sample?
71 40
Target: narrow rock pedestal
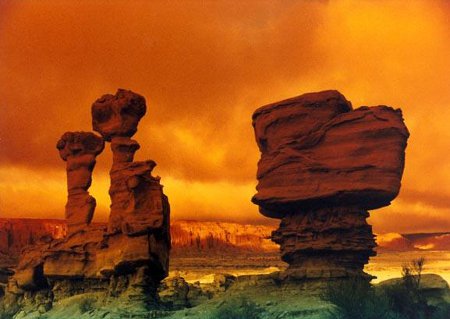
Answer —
324 243
79 150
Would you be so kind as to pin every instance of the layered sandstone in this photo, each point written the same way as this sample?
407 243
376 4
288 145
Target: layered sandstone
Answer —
138 205
322 166
79 150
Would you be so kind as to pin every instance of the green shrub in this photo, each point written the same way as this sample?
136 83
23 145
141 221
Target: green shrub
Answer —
86 305
406 297
355 298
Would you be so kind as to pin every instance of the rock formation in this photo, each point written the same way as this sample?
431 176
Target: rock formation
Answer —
79 150
190 238
138 205
130 256
322 166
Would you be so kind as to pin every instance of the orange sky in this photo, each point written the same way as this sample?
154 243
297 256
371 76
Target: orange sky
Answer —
204 67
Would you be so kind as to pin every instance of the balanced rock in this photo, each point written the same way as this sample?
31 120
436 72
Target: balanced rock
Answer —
322 166
118 115
79 150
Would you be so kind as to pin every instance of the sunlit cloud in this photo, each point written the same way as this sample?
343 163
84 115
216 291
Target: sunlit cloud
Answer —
204 67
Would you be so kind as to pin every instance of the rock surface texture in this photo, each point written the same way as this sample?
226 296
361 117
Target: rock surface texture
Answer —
139 208
124 260
79 150
322 166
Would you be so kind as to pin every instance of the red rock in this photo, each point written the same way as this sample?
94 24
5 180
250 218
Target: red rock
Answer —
79 150
138 204
325 242
140 212
315 152
211 238
322 166
130 256
17 233
119 114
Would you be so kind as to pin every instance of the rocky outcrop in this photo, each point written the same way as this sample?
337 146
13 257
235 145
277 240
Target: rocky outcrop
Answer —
139 208
138 205
79 150
322 166
128 258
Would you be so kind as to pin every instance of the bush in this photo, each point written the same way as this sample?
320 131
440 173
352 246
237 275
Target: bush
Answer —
406 297
355 298
86 305
238 308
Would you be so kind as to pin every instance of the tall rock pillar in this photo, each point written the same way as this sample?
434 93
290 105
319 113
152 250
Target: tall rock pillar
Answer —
138 204
79 150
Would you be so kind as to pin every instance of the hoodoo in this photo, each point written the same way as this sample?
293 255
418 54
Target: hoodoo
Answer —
79 150
323 166
128 258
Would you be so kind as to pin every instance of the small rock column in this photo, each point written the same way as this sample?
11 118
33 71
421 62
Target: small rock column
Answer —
79 150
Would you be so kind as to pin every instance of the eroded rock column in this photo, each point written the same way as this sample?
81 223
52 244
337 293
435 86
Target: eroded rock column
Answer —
138 204
323 166
79 150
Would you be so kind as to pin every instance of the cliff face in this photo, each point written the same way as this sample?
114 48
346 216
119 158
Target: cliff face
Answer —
17 233
218 237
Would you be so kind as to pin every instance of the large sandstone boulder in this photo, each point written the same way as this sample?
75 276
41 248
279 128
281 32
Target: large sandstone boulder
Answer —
316 152
322 166
119 114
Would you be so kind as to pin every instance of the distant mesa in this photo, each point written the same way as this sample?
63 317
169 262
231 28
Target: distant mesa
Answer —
323 165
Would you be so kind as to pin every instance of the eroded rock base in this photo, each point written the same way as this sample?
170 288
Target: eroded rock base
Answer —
325 243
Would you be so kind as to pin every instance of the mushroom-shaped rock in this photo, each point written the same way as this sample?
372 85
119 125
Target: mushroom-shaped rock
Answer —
75 144
79 150
322 166
118 115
